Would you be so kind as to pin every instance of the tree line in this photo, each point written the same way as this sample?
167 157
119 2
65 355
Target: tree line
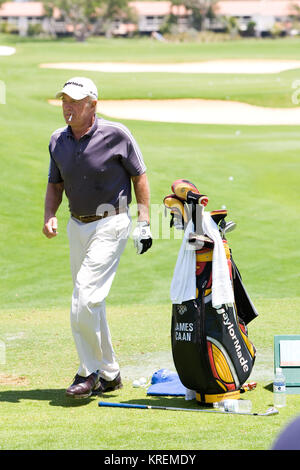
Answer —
89 17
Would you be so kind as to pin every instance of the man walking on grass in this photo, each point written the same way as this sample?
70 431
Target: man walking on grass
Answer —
94 161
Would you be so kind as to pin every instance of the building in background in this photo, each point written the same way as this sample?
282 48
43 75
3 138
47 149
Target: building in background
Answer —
264 16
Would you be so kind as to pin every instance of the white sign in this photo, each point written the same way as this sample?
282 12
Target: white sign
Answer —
289 353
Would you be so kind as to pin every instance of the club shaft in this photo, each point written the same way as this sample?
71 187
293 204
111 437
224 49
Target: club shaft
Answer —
170 408
151 407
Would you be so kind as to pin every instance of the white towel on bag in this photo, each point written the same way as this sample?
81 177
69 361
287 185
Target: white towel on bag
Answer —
183 285
222 291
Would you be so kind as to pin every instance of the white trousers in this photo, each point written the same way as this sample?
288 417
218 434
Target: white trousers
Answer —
95 251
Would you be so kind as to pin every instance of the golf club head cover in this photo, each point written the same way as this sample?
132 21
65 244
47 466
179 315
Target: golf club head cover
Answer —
219 215
187 191
178 212
142 237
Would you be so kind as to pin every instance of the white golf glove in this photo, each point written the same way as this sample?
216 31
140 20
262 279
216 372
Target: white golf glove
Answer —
142 237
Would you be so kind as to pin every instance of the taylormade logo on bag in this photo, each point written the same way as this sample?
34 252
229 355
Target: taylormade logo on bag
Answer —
236 341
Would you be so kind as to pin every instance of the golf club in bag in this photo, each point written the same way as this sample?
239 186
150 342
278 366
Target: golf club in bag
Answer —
211 349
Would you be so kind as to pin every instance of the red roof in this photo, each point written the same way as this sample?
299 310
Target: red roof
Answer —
22 9
157 8
162 8
256 7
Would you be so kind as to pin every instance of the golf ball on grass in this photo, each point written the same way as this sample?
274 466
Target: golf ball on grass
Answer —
141 382
136 384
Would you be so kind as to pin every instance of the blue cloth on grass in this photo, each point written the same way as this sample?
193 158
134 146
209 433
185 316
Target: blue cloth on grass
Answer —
165 382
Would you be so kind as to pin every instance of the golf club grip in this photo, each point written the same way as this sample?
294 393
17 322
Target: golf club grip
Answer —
121 405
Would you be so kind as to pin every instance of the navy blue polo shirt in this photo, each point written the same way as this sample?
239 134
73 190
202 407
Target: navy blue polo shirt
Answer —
97 168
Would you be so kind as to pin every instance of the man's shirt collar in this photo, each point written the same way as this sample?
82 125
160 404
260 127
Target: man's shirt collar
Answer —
88 134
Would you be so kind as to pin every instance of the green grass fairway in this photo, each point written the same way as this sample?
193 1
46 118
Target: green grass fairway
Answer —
40 361
253 171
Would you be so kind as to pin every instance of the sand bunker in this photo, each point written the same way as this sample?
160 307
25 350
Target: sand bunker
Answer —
6 50
212 66
196 111
193 111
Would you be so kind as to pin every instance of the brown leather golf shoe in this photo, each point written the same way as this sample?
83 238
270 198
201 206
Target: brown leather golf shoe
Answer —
82 387
108 385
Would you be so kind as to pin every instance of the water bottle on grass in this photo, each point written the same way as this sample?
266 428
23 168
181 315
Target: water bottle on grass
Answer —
279 389
234 406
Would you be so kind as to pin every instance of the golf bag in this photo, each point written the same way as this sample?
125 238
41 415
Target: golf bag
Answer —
211 349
